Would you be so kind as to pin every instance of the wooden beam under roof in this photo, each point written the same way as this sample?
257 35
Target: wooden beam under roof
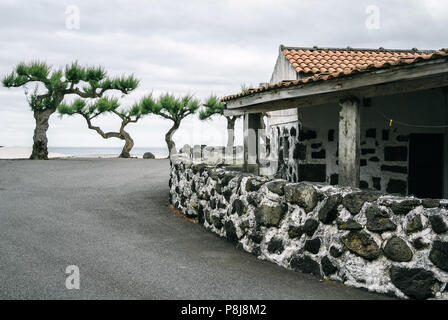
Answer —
421 76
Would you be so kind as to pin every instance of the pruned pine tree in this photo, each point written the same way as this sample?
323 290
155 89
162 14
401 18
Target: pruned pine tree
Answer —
110 106
52 85
214 106
175 109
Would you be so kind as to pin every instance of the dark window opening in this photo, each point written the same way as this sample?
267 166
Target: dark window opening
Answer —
426 165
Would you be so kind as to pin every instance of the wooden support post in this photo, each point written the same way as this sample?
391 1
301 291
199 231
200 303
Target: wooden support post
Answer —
445 146
251 143
349 143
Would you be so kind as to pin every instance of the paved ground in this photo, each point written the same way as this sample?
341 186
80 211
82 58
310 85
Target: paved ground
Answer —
110 217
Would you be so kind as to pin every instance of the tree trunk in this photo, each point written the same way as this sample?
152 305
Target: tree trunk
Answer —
123 135
40 141
231 131
169 139
129 143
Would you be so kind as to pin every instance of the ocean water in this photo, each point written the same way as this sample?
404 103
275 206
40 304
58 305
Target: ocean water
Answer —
85 151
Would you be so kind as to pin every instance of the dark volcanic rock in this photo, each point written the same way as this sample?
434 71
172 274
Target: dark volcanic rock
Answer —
430 203
270 216
313 245
334 252
414 225
277 187
305 264
227 194
256 236
405 206
415 283
397 250
295 232
239 207
327 267
354 201
437 224
350 224
217 222
228 177
275 245
439 255
419 244
148 155
301 194
360 243
253 185
310 227
378 220
329 211
231 231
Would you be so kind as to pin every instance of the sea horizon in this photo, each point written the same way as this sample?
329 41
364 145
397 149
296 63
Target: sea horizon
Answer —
85 151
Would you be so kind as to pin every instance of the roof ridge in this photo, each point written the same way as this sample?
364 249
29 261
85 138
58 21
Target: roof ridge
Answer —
283 47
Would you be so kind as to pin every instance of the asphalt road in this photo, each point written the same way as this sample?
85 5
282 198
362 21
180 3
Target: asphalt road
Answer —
110 218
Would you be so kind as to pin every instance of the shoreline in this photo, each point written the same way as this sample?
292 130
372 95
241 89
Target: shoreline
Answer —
23 153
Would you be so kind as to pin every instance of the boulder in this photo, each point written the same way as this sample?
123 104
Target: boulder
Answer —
276 187
304 264
295 232
239 207
335 252
437 224
256 236
310 227
415 283
329 211
419 244
301 194
312 246
405 206
148 155
231 231
378 221
270 216
439 255
396 249
253 185
350 224
362 244
275 245
414 225
354 201
327 266
430 203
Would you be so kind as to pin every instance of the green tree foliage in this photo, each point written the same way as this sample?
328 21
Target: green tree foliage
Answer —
52 85
214 106
175 109
110 106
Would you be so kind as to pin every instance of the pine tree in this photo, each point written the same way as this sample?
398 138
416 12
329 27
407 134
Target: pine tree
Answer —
214 106
175 109
52 85
110 106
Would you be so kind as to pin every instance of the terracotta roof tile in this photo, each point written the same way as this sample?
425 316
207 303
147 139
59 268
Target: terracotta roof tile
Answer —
321 60
344 63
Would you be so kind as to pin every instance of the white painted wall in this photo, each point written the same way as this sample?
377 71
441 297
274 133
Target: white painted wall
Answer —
426 107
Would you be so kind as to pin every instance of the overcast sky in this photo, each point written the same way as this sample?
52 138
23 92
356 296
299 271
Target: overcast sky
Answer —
193 46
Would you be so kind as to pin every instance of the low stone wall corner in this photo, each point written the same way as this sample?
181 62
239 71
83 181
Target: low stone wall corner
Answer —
386 244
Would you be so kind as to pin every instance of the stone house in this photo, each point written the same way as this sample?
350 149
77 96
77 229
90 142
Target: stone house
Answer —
370 118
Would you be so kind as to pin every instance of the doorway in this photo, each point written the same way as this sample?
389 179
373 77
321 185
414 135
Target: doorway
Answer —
426 165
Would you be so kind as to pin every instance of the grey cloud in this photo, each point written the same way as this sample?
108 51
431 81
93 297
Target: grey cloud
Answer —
191 47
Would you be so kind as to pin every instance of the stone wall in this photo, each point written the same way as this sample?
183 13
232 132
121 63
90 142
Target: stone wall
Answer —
386 244
312 155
